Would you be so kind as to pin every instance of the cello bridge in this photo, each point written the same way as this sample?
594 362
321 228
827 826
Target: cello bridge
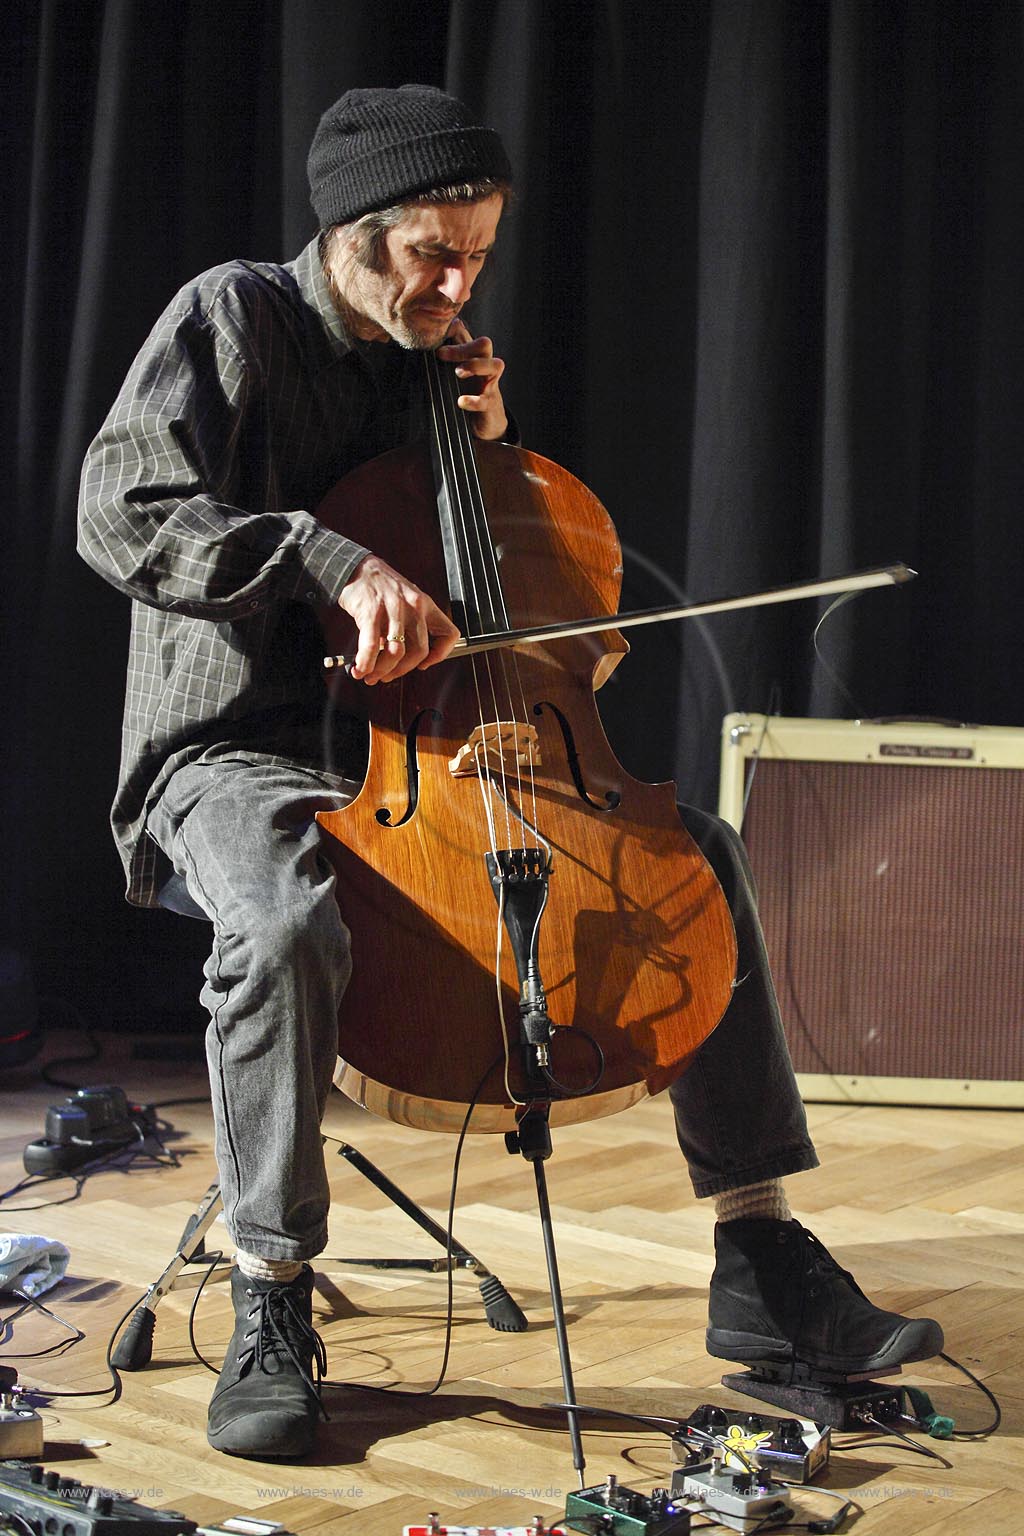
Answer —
502 745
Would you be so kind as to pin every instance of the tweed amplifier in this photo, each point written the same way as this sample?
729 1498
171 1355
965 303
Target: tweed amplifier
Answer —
889 860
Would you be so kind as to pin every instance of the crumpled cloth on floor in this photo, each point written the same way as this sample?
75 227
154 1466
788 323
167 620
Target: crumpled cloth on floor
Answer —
29 1264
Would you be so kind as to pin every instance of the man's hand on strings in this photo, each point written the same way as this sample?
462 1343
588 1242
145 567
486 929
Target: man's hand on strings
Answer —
400 628
475 359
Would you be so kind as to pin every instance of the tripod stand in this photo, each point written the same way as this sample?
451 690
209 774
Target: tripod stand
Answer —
134 1349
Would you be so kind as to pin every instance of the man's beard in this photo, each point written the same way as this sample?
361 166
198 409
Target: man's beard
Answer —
415 341
394 324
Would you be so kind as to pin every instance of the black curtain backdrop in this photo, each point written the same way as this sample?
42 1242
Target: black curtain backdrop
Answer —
761 290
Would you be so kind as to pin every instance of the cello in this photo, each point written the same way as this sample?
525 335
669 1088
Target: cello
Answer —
527 919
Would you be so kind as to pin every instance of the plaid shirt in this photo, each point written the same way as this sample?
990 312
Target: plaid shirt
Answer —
246 404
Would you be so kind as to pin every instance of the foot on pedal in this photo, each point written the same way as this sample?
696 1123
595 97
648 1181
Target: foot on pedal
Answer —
778 1298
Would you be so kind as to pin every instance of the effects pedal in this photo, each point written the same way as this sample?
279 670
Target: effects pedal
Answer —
91 1123
435 1528
841 1404
46 1502
742 1501
244 1525
21 1428
792 1449
618 1511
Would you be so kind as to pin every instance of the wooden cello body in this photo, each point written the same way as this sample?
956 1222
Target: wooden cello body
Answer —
504 754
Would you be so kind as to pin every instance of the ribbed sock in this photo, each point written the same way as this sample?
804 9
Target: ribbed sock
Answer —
284 1271
767 1199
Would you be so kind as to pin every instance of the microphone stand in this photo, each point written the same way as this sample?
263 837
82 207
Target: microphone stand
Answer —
519 878
532 1140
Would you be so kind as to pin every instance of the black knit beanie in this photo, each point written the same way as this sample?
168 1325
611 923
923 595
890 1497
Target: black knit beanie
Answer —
377 147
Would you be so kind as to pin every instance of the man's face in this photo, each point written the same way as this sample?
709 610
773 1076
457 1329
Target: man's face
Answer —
432 259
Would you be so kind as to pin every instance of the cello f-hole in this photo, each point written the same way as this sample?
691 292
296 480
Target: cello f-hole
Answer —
612 798
412 772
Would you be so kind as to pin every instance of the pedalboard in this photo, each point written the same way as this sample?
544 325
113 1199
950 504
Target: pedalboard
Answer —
618 1511
47 1502
791 1449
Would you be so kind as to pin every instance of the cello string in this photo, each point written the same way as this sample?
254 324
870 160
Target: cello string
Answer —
530 826
488 808
487 556
489 563
471 516
499 934
458 529
457 549
469 534
466 492
449 424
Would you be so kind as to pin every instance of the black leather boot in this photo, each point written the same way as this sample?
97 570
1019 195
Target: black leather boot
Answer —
267 1399
779 1297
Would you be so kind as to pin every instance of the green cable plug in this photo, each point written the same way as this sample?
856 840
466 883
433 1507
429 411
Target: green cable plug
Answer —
939 1425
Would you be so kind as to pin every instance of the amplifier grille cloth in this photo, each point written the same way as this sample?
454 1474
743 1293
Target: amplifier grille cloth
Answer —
893 907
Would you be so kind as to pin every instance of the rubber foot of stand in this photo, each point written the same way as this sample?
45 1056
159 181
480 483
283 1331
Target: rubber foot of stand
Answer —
502 1312
134 1349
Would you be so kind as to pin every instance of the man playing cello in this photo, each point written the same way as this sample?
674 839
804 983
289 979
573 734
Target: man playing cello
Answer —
259 388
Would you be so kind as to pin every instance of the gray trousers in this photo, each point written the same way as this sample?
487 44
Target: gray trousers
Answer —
243 837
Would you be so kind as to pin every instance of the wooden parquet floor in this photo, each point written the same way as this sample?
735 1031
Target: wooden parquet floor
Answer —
925 1206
